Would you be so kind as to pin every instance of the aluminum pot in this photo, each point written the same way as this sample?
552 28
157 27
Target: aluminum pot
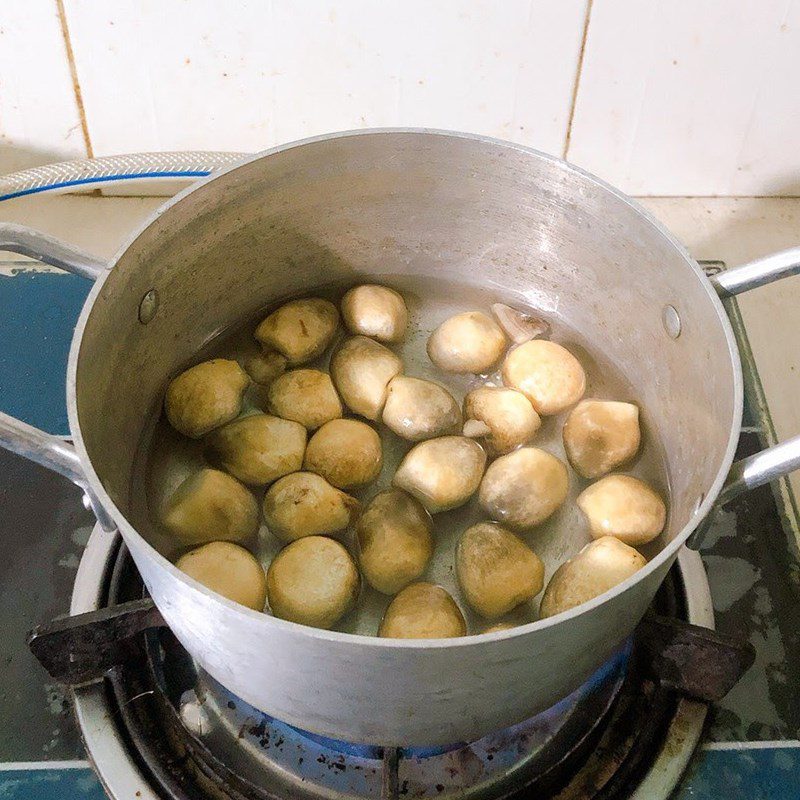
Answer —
417 203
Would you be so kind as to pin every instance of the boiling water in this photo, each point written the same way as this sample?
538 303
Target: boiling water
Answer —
167 458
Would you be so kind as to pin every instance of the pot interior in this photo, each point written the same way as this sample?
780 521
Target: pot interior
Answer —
452 222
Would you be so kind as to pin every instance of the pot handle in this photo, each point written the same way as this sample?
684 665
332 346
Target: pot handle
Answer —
782 458
46 449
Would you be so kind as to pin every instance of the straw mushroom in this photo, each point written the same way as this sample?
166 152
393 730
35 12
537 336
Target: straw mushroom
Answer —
313 581
305 504
422 611
624 507
394 539
210 505
375 311
259 448
600 435
228 570
500 626
264 366
300 329
598 567
468 342
522 489
361 370
306 396
546 373
205 396
518 325
417 409
508 418
442 473
496 570
346 452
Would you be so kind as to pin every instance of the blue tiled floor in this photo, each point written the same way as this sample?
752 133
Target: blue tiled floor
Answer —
38 311
50 784
753 774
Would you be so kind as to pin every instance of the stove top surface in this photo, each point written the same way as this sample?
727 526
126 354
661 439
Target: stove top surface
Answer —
750 750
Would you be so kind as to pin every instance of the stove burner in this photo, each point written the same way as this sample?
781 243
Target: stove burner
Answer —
188 737
259 745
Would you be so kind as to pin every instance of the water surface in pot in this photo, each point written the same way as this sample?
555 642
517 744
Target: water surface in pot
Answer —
165 457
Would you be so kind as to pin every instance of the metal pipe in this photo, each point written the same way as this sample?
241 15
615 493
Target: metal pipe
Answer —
757 273
761 468
43 448
44 248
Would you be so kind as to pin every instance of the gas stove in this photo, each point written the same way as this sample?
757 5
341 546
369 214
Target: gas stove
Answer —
155 728
158 728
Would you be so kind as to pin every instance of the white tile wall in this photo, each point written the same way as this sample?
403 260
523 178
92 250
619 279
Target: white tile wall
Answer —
675 97
39 119
694 97
166 74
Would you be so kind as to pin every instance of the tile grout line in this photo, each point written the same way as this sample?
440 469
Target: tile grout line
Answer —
779 744
9 766
578 72
73 71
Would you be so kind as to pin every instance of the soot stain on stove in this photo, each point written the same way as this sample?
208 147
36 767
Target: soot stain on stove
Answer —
750 570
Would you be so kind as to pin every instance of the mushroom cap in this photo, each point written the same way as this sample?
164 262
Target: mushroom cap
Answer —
205 396
229 570
522 489
598 567
313 581
422 611
546 373
442 473
624 507
375 311
468 342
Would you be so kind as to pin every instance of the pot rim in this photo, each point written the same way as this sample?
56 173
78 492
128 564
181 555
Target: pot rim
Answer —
668 553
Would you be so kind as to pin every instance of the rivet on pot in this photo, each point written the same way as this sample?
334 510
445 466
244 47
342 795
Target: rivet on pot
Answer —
672 322
148 307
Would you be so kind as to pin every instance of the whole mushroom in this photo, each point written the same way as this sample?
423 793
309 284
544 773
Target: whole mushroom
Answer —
306 396
598 567
442 473
422 611
522 489
228 570
305 504
313 581
508 418
259 448
210 505
375 311
300 330
361 370
468 342
624 507
546 373
394 540
417 409
346 452
205 396
496 569
600 435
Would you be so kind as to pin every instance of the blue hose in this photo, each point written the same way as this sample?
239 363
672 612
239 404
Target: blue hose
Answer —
68 175
101 179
